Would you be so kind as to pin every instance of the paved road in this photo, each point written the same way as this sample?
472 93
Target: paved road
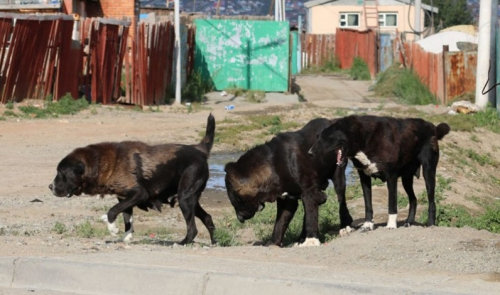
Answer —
171 272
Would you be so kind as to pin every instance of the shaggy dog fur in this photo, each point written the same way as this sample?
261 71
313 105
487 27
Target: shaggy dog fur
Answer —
281 170
146 176
386 148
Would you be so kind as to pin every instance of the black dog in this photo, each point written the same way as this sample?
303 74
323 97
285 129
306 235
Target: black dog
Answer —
141 175
281 170
386 148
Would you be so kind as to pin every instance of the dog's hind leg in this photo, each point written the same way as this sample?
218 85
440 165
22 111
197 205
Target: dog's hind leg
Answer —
191 186
429 165
207 221
392 187
286 209
366 185
408 186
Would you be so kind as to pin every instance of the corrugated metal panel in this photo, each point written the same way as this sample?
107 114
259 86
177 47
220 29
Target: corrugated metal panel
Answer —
30 51
386 52
149 69
460 73
244 54
317 49
352 43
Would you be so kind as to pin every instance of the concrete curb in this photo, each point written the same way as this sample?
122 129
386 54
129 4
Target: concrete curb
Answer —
125 278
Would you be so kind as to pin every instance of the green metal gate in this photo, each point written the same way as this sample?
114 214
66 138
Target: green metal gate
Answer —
252 55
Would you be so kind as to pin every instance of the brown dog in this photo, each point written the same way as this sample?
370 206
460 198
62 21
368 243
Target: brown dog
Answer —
141 175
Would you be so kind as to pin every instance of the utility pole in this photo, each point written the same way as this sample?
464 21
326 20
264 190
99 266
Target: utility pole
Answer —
417 29
178 53
484 53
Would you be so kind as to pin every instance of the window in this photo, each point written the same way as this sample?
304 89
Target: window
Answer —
349 20
387 19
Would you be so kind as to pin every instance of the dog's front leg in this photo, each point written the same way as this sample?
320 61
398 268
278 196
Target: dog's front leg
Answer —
366 185
286 209
138 196
311 200
339 183
129 225
392 187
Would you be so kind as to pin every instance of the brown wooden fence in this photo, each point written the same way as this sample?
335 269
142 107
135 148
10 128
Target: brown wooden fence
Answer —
350 44
37 57
317 49
107 46
446 74
149 69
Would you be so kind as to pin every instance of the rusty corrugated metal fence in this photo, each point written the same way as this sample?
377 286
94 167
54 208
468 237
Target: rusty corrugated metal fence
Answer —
350 44
36 57
317 49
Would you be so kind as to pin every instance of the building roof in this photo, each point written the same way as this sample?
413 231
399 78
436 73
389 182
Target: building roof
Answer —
314 3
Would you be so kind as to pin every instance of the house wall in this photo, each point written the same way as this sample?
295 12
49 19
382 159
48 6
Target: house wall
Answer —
324 19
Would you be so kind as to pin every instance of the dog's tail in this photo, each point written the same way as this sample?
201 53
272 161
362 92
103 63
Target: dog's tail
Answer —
441 130
208 141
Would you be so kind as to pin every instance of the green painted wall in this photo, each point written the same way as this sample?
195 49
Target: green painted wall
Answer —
244 54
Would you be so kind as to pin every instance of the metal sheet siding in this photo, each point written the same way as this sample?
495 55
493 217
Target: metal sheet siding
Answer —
244 54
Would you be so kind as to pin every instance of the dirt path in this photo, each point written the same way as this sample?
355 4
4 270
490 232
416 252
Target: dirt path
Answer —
30 150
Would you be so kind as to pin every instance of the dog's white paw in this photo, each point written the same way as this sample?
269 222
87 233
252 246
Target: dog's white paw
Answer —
113 230
309 242
127 237
345 231
367 226
392 221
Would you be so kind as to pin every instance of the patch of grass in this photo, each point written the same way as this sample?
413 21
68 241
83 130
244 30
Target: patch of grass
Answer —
474 138
67 105
402 200
481 159
267 124
403 84
2 118
235 91
359 70
35 112
59 228
255 96
9 105
196 87
332 65
87 230
262 223
487 118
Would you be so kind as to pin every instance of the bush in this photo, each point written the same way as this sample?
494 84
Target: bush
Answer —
196 87
403 84
360 70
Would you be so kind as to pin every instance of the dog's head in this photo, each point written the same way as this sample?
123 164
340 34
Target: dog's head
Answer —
69 179
331 140
247 194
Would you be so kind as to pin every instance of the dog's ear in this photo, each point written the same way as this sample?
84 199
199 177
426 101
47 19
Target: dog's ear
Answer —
79 168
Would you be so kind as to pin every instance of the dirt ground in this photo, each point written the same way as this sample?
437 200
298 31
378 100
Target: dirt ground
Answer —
31 148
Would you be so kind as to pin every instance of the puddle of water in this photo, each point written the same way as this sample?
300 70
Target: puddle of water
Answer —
216 164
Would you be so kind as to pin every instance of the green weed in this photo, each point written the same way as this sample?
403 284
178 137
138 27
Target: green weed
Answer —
403 84
9 105
2 118
255 96
66 105
196 87
360 70
59 228
332 65
87 230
